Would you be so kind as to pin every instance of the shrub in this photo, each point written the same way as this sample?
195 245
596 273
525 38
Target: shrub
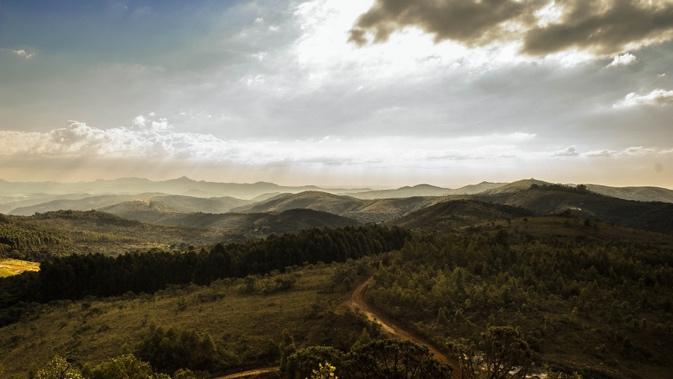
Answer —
168 350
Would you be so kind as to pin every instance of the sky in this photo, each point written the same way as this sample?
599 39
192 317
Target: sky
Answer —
374 93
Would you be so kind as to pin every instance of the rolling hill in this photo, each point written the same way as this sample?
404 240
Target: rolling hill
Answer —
78 232
634 193
516 186
166 203
233 225
458 213
74 232
316 200
79 204
8 203
425 190
556 199
376 210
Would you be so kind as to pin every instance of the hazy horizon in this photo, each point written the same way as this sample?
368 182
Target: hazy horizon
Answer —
318 185
338 93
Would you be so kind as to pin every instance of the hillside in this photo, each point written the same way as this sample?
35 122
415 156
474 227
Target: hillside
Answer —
79 204
375 210
634 193
231 224
165 203
556 199
316 200
592 300
425 190
515 186
8 203
72 232
246 324
407 191
187 204
458 213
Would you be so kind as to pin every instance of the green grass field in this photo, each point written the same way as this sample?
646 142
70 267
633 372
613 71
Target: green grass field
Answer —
247 324
9 267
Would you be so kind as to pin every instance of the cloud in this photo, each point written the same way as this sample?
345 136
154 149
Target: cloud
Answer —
468 21
658 97
567 152
629 152
21 53
602 27
155 140
623 60
600 153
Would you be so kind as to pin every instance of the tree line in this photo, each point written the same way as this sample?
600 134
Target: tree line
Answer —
77 276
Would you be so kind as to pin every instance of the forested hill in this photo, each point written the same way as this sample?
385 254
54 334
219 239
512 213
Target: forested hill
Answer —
233 224
556 199
459 213
75 232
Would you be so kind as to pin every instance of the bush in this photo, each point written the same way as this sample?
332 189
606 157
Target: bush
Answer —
168 350
378 359
122 367
58 368
301 364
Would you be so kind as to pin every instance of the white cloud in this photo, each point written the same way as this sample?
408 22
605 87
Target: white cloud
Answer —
154 139
155 142
21 53
600 153
139 121
631 151
658 97
623 60
567 152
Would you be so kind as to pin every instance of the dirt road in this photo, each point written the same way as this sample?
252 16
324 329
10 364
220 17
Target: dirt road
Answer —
357 303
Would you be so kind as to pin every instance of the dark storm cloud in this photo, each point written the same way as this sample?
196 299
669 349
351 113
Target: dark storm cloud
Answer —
472 21
603 27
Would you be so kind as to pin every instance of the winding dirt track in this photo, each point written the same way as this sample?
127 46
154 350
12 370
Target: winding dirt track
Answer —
357 303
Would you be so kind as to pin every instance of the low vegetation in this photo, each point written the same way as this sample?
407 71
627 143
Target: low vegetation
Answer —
246 329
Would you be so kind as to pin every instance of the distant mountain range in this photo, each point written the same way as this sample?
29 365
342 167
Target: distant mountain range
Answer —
640 207
15 195
179 186
114 223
